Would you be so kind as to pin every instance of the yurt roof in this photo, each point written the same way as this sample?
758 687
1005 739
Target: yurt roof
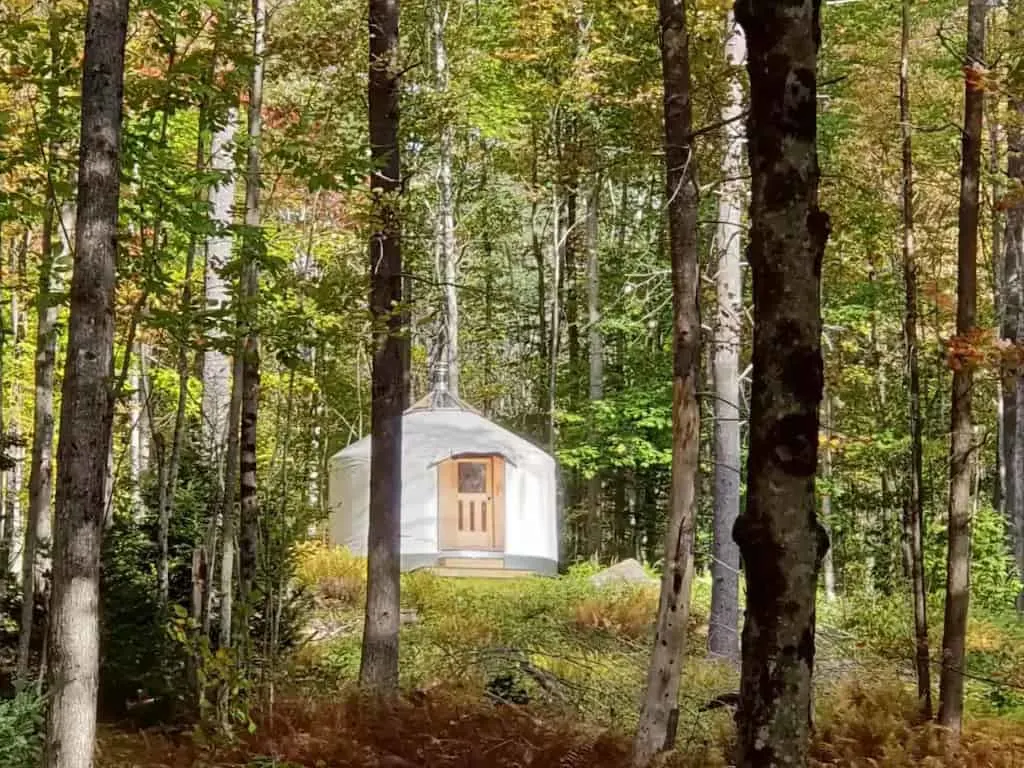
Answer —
440 425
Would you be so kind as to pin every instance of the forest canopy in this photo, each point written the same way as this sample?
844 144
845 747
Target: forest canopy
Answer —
750 275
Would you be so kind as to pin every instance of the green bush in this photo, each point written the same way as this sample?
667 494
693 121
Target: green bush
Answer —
993 581
22 722
334 572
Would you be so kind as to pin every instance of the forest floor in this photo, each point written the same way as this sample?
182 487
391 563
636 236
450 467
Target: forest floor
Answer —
547 673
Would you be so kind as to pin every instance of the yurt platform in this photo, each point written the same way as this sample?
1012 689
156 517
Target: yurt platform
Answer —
477 568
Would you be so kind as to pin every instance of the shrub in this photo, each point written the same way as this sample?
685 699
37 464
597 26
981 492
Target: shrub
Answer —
334 572
625 611
874 722
21 730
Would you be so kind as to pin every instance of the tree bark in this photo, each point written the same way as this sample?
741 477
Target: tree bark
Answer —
216 362
13 436
1013 290
659 708
6 521
445 224
252 254
723 624
42 446
595 340
958 557
913 517
379 666
87 400
570 250
228 512
538 259
554 342
38 527
780 538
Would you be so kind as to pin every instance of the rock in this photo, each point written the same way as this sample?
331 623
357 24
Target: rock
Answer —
409 616
625 572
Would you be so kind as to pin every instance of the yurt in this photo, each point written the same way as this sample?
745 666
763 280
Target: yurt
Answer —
477 500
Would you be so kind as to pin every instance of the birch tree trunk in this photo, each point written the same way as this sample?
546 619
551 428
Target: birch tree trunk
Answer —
379 665
659 710
1013 290
38 528
913 517
143 433
780 538
724 620
216 363
87 400
5 512
958 557
252 253
228 511
15 448
445 223
218 415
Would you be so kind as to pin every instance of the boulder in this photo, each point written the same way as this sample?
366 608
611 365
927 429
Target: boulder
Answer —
625 572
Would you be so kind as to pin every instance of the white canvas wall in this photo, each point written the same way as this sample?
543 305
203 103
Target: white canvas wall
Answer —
430 437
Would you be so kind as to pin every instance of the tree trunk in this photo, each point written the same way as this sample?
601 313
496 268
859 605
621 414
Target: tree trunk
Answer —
913 518
5 512
142 433
659 710
216 407
596 344
554 343
379 666
228 512
781 541
570 249
538 259
12 437
216 362
87 400
252 254
1013 290
958 562
723 624
38 530
445 224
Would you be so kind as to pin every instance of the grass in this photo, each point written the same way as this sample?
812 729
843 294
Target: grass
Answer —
548 672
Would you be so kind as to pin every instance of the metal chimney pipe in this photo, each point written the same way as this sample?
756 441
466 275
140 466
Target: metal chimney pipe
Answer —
440 376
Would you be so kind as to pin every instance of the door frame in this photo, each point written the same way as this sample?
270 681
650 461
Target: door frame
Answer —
447 492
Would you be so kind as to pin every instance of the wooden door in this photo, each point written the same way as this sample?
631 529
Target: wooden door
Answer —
471 501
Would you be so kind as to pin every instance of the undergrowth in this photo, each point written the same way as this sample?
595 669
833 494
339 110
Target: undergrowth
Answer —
561 641
863 725
876 631
548 672
21 730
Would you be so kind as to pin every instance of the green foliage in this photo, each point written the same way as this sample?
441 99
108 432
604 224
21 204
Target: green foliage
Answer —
560 640
130 594
218 682
22 720
994 584
876 632
335 572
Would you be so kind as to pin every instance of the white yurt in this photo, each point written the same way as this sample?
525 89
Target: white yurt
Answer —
476 498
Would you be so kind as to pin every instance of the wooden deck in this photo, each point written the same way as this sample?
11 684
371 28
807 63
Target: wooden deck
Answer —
477 568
